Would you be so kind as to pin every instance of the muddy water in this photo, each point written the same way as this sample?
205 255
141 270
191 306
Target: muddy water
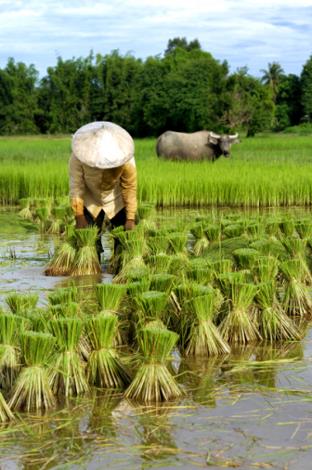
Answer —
252 409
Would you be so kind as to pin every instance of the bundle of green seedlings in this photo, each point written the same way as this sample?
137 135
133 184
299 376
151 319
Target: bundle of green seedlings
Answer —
32 390
86 260
77 256
132 252
10 359
200 270
20 303
245 258
177 242
110 297
67 376
201 241
153 381
5 411
296 294
105 368
162 282
274 324
158 263
151 306
239 323
25 212
204 337
146 211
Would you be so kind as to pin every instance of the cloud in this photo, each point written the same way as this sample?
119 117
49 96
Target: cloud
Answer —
243 33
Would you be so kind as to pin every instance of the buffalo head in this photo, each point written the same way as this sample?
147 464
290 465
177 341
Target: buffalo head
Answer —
222 142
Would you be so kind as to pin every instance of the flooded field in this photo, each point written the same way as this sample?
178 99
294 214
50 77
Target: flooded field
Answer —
251 409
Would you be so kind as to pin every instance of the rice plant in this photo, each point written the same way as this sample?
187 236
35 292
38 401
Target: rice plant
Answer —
296 296
200 270
245 257
158 263
110 296
213 232
62 263
153 382
105 368
274 324
5 412
157 244
177 242
63 295
67 375
162 282
25 212
266 269
20 303
152 305
204 337
201 241
9 348
304 228
239 324
32 390
86 260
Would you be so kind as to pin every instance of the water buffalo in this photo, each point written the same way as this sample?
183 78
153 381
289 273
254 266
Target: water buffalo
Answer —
201 145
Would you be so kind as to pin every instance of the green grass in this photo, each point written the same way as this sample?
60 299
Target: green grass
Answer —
270 170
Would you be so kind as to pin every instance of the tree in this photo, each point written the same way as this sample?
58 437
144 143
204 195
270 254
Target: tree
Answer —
306 88
182 43
272 77
249 104
288 102
18 98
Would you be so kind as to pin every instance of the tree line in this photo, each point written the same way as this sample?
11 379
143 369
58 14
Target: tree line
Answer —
185 89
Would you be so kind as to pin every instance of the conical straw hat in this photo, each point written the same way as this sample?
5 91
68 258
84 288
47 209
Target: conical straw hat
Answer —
102 144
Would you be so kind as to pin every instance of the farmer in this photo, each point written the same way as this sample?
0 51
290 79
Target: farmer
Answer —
103 177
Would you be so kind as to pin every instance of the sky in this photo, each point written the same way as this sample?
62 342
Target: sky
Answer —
251 33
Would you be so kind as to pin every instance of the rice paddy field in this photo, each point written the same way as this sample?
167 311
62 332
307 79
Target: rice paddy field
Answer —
190 345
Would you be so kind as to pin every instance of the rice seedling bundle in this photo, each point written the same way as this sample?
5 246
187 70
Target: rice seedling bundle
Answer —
213 232
25 212
296 296
152 304
157 244
233 230
177 242
239 324
70 309
269 246
64 257
227 279
9 348
287 227
20 303
162 282
199 269
32 390
5 412
274 324
105 368
63 295
153 382
266 269
86 260
137 273
204 337
245 258
137 287
159 262
222 265
110 296
201 243
67 375
304 228
178 263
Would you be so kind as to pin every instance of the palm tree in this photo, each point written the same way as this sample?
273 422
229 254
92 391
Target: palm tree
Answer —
272 77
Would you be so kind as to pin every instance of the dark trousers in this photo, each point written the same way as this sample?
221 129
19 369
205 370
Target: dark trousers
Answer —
118 220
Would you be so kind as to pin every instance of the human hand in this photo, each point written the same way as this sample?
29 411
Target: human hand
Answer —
130 224
81 221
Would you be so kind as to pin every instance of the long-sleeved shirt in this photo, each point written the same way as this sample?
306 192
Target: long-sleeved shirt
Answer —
110 189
